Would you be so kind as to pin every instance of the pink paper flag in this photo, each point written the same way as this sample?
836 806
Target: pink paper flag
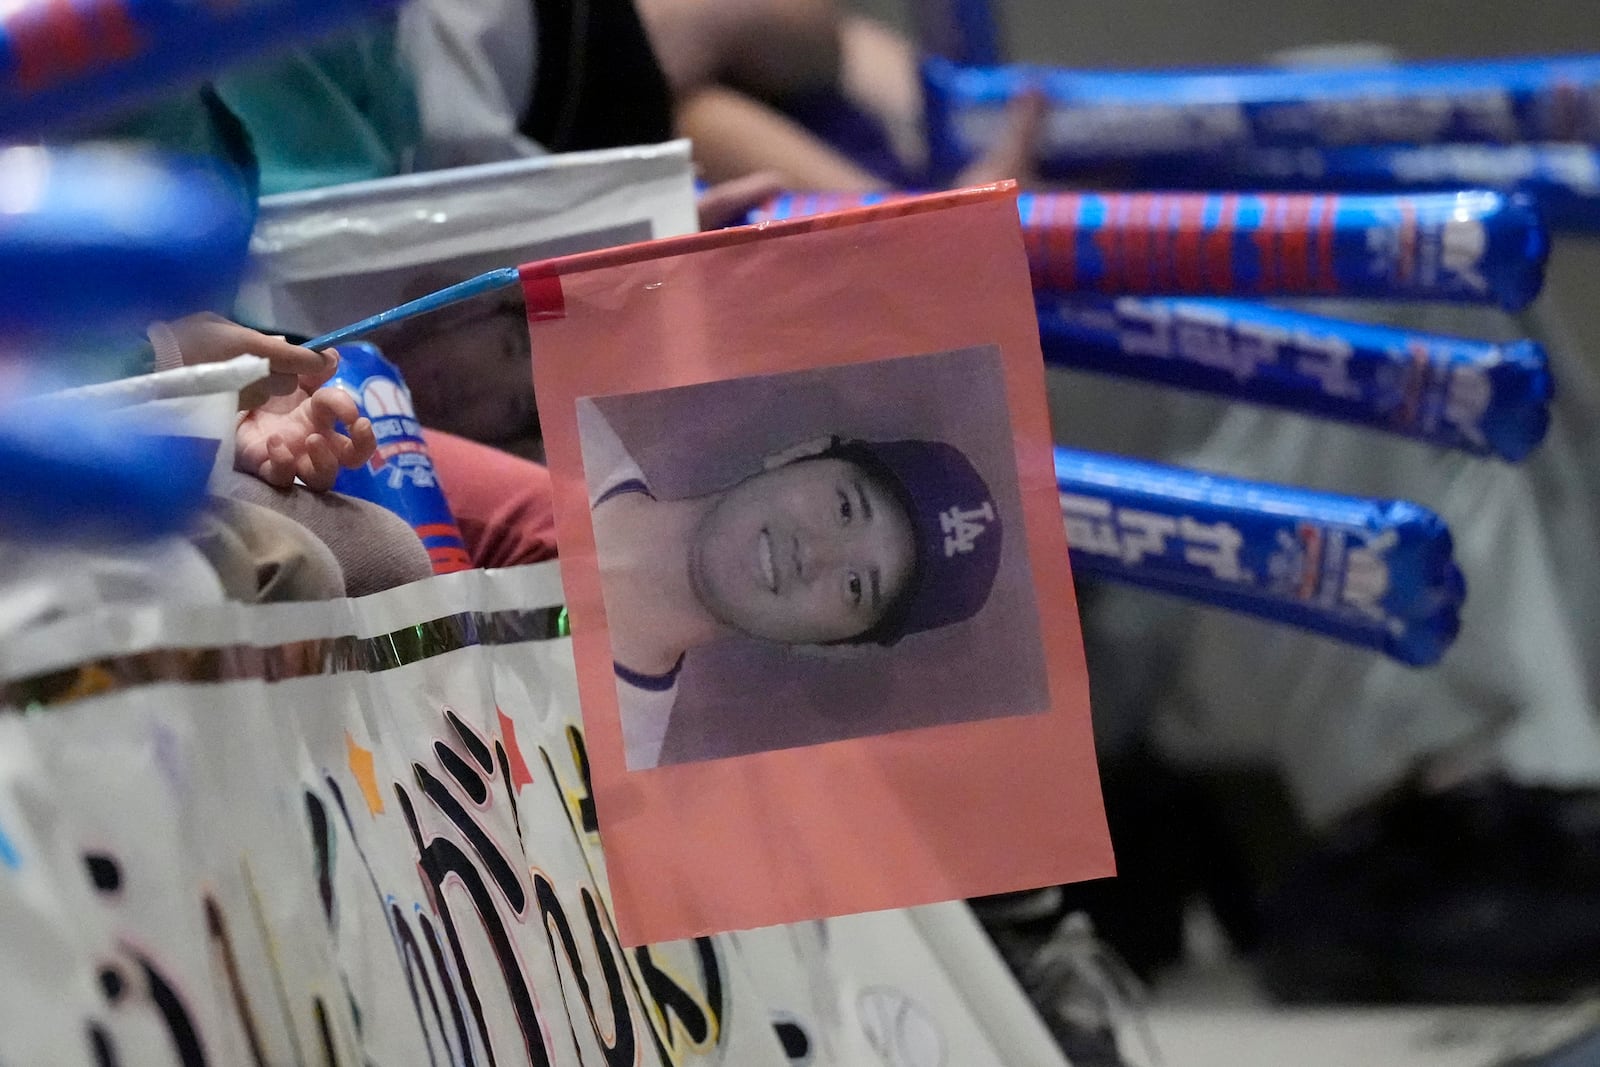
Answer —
827 645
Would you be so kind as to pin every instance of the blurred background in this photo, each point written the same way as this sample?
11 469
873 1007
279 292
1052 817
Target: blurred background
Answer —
1285 870
1165 33
1326 856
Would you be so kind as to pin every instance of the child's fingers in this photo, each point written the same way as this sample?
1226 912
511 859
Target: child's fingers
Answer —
208 339
273 474
248 455
318 464
356 448
310 380
279 468
329 406
363 443
279 452
285 358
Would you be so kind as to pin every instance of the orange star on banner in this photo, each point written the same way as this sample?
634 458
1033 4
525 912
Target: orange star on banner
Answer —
520 775
366 774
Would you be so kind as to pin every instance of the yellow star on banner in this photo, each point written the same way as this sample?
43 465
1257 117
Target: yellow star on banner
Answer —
366 774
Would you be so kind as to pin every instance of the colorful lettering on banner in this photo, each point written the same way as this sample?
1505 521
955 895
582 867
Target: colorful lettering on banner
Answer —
683 986
693 991
132 970
617 1040
163 990
467 830
444 861
684 992
436 1000
351 868
49 917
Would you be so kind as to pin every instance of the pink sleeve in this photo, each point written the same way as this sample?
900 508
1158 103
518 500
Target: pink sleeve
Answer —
502 503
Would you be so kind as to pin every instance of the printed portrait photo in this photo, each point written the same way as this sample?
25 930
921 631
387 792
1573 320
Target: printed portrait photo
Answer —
793 559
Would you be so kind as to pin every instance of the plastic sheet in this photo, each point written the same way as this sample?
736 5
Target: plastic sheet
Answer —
326 258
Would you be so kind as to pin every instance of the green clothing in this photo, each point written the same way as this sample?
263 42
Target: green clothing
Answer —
340 111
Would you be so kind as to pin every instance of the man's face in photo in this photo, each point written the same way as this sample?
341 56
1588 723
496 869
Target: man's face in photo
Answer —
809 553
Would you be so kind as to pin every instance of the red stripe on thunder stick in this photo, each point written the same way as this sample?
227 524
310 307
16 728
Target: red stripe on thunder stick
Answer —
1472 246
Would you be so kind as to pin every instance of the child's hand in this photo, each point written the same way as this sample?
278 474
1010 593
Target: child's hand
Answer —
294 436
287 429
209 338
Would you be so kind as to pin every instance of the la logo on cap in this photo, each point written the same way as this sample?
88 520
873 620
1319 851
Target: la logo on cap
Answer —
962 528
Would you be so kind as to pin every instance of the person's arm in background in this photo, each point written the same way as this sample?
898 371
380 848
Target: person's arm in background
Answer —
736 136
732 69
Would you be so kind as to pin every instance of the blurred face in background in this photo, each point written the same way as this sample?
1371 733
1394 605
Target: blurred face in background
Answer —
469 367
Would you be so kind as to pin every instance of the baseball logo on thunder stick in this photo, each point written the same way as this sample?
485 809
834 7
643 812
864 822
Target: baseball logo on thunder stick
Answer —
62 59
1486 399
1473 246
400 475
1375 573
1112 116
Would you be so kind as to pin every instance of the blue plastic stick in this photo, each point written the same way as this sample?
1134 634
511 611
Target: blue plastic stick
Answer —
503 278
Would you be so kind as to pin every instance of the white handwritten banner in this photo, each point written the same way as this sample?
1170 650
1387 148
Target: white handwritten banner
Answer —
361 832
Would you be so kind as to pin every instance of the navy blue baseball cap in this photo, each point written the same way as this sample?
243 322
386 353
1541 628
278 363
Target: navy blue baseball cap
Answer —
954 522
